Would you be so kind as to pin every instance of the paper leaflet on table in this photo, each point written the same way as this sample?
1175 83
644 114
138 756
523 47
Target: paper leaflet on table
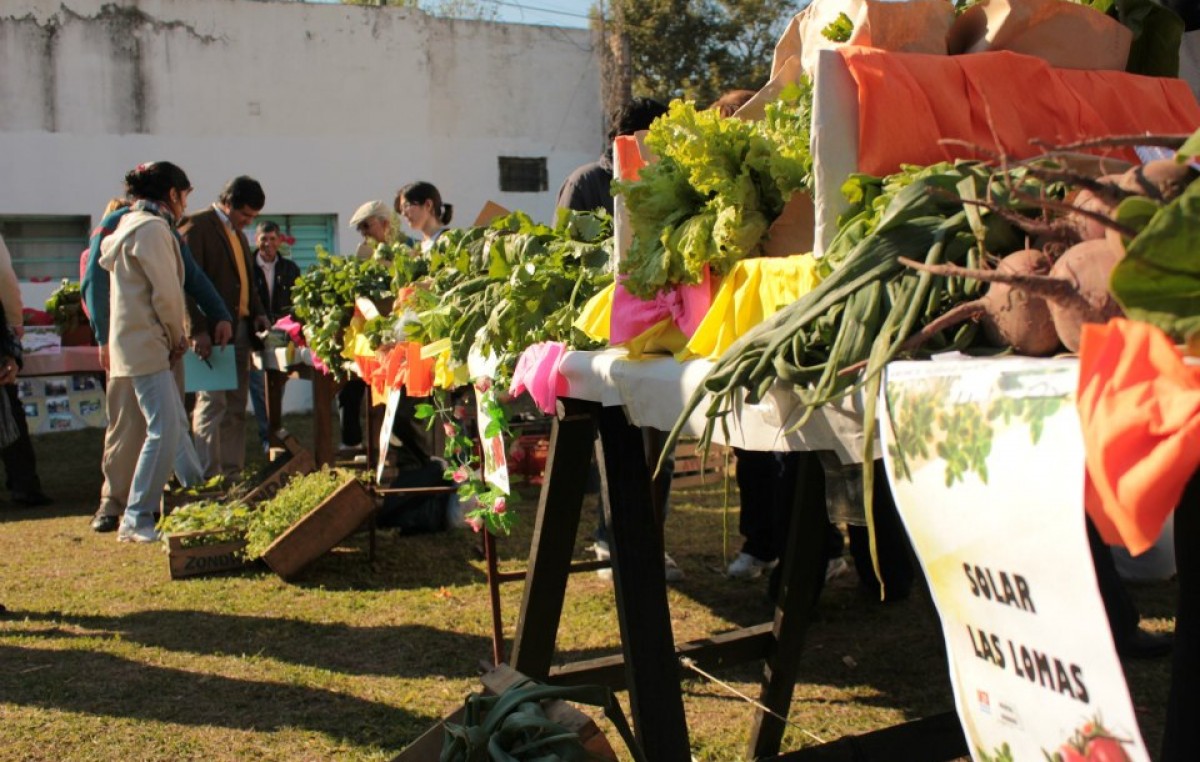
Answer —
385 432
216 374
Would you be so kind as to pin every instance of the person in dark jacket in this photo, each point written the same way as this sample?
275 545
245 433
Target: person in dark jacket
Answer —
223 253
274 276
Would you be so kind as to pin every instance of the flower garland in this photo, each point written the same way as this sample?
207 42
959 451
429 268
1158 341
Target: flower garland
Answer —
486 504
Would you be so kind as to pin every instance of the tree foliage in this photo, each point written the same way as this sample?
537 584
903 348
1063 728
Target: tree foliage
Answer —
698 49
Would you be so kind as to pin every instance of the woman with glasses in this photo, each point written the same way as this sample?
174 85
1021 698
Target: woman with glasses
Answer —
421 205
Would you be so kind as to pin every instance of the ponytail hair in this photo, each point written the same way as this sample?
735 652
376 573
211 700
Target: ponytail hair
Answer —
420 192
154 181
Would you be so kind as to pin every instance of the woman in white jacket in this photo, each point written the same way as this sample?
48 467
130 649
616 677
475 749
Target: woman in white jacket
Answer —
146 333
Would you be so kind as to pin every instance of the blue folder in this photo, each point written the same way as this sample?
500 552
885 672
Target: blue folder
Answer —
216 374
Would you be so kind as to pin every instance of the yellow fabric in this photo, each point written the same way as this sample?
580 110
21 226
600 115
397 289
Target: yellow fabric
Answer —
753 291
449 375
239 258
593 320
355 342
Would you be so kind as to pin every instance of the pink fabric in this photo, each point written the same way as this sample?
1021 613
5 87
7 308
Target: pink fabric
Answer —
295 332
686 305
537 373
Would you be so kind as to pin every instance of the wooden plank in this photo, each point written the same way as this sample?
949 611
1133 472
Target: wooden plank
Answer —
802 564
736 647
932 739
572 438
635 538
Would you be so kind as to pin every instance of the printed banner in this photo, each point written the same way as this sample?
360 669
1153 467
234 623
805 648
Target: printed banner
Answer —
62 403
985 460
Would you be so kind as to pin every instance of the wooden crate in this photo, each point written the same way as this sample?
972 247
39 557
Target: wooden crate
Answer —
203 559
299 463
318 531
691 470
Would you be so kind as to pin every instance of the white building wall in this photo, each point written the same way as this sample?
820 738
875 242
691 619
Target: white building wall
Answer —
327 105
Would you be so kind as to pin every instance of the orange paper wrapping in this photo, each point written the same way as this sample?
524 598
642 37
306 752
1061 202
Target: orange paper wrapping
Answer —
1139 406
1000 101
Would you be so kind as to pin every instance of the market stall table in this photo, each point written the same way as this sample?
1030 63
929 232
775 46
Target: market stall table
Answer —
612 398
297 362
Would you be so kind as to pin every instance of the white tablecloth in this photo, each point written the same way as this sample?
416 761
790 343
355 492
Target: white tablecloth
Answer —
654 391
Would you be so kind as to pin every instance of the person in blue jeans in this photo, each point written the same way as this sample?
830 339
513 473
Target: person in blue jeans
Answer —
146 329
126 428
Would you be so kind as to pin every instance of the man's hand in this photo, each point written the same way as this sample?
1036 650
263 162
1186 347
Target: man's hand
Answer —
202 344
8 371
179 350
104 357
262 323
223 333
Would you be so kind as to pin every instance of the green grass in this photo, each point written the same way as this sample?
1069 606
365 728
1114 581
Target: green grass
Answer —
102 656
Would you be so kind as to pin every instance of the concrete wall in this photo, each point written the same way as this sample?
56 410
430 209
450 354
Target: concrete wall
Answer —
327 105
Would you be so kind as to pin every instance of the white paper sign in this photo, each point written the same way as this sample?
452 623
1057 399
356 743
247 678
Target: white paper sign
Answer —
985 461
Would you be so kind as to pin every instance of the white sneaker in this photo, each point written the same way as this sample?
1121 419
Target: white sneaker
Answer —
746 566
670 569
130 534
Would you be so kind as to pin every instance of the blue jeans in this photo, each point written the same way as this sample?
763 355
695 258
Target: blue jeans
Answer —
162 409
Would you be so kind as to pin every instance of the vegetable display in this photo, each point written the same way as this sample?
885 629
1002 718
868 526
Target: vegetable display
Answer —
295 499
716 188
220 521
65 305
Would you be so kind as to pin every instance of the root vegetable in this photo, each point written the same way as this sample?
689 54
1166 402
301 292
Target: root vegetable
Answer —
1088 267
1161 180
1010 317
1075 290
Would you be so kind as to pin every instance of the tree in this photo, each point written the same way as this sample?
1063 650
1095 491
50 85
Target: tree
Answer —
697 49
464 9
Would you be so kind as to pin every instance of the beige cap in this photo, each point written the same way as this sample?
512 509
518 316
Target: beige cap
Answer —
369 210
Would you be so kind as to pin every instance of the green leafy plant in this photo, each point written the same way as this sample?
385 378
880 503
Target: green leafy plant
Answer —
221 521
839 29
718 185
487 505
291 503
324 301
65 305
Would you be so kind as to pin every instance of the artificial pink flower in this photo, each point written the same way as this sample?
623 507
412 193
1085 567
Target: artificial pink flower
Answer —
460 412
500 506
475 523
483 384
450 429
461 475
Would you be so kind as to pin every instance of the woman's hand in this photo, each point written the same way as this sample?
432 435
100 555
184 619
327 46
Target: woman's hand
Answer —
8 371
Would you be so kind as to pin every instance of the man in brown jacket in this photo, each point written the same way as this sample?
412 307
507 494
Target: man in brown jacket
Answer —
220 248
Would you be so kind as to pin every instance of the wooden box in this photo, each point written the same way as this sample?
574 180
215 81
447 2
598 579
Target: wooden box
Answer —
692 470
299 463
203 559
320 529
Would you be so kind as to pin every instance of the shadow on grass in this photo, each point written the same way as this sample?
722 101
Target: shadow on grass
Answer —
110 686
408 651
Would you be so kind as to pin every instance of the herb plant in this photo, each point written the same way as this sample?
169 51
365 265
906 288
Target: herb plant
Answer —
291 503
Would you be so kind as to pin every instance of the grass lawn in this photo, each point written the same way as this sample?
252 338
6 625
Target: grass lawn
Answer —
103 657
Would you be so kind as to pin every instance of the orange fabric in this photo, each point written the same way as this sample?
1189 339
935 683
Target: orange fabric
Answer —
1139 406
400 366
629 156
907 102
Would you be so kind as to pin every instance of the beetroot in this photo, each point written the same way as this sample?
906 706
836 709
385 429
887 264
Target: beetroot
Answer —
1075 291
1010 317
